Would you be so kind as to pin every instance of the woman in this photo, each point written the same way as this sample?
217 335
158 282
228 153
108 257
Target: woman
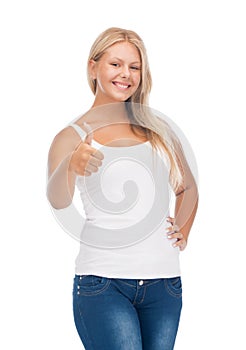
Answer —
127 292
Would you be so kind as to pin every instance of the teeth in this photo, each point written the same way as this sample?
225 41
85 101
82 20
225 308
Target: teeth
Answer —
121 85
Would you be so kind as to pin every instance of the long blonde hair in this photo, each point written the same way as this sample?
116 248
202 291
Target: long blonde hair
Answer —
158 132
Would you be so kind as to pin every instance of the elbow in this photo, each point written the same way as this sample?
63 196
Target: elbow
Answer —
196 192
194 195
190 190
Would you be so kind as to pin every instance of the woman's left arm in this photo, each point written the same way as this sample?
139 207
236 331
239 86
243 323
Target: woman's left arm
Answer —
185 206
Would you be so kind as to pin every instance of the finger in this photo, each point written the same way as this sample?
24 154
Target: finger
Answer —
91 168
182 247
93 152
170 219
181 244
89 137
95 161
87 173
177 235
172 229
97 154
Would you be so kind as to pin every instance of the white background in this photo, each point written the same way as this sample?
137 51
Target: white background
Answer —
197 56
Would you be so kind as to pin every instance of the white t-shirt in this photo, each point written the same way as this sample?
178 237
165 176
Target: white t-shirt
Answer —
126 204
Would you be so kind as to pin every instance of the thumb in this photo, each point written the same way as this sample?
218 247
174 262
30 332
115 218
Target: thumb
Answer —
89 137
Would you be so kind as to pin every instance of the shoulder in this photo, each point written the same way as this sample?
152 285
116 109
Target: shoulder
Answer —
66 138
68 133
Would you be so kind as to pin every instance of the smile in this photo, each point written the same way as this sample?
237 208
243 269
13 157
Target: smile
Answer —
122 86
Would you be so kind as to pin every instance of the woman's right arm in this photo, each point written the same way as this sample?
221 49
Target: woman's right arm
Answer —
69 157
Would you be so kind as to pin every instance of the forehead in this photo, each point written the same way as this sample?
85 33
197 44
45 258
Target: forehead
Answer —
123 50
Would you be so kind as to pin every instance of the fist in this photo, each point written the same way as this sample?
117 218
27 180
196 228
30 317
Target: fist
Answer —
85 159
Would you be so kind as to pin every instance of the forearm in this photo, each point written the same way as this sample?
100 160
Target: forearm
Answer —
60 187
185 210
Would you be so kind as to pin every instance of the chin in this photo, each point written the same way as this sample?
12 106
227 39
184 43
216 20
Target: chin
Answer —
119 99
122 98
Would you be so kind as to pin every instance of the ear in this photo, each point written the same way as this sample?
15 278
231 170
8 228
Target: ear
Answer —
93 69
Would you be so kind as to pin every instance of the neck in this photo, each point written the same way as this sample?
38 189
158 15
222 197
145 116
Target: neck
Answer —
110 112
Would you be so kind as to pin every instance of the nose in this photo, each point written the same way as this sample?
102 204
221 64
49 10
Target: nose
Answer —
125 72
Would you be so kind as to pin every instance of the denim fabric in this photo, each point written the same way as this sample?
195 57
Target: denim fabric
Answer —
127 314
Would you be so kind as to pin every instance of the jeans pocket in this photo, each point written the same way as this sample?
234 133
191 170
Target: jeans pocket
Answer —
174 286
90 284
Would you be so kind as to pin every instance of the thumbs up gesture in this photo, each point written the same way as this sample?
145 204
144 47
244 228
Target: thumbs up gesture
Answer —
85 159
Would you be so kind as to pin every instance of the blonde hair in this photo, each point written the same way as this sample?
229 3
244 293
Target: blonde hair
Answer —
156 129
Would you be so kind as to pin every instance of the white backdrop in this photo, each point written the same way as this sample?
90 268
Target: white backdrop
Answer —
197 56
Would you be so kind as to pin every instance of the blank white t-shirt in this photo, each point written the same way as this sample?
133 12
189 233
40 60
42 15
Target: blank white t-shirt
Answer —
126 204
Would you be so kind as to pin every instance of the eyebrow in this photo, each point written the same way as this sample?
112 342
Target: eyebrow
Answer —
119 59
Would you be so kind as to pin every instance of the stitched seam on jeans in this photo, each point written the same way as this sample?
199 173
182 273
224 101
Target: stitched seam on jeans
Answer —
146 284
128 284
151 283
83 324
172 293
144 292
95 292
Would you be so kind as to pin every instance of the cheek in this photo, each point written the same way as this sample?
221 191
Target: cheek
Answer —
107 75
103 78
137 80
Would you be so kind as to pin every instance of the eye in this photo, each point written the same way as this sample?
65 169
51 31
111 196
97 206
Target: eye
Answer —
135 68
115 64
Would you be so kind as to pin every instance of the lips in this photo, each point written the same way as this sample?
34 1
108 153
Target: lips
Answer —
121 86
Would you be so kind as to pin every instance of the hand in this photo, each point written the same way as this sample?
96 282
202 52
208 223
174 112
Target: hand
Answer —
85 159
173 232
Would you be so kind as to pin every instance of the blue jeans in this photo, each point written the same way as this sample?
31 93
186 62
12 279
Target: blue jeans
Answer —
127 314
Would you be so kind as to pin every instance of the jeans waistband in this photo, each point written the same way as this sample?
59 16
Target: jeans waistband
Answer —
134 281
